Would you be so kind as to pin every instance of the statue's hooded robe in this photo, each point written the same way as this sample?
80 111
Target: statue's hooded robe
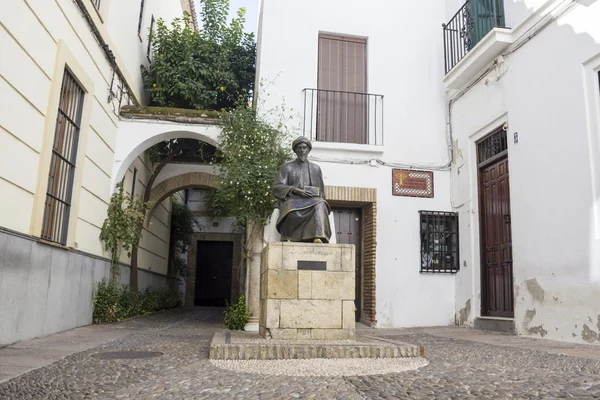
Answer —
301 218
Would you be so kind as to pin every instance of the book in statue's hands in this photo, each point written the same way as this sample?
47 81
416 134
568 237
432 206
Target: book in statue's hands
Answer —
314 190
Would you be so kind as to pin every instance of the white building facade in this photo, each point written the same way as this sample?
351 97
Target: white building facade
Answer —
498 110
66 68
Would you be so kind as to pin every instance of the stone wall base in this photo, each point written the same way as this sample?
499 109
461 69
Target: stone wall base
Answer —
46 289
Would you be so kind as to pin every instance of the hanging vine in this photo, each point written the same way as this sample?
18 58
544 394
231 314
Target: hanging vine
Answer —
122 226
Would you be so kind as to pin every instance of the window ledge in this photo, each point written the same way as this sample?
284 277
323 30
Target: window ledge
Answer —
53 244
327 147
490 47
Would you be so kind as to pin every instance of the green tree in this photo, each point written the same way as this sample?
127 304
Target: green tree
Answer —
210 69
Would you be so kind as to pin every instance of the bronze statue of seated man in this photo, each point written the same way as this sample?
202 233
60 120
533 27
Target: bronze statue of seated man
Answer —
303 211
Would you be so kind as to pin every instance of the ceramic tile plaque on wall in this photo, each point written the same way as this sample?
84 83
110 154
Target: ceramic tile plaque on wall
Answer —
406 182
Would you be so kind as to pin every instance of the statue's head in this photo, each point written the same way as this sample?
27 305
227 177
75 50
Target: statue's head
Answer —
302 146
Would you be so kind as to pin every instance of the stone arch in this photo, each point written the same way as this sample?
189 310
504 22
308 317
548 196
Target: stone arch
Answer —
136 137
174 184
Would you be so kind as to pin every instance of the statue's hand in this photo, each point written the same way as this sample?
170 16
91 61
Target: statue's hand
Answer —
302 192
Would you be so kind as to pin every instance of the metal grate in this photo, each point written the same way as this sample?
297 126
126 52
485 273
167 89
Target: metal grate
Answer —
474 20
97 4
141 18
149 50
62 164
492 146
343 117
439 242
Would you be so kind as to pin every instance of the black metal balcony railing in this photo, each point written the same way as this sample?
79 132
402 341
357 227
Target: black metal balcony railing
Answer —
343 117
474 20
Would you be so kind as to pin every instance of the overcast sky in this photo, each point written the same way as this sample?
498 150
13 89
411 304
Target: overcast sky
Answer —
251 12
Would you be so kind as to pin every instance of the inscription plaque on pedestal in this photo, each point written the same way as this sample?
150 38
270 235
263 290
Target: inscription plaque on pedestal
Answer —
312 265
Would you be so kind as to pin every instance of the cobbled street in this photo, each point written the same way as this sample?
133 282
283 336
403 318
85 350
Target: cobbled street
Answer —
462 364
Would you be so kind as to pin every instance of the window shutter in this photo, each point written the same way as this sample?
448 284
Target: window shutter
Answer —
342 102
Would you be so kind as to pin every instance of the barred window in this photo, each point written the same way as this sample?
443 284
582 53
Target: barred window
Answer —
439 242
62 164
149 50
141 18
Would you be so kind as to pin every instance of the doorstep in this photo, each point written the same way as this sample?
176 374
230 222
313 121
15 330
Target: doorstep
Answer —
496 324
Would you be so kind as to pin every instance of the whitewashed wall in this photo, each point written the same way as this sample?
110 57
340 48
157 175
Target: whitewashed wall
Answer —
31 34
37 39
405 64
554 184
122 25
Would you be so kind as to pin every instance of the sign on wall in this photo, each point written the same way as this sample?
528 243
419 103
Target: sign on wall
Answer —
406 182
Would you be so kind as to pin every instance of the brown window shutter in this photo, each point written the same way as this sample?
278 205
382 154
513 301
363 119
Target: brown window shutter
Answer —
342 104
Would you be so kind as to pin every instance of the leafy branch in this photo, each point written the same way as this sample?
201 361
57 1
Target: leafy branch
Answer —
122 226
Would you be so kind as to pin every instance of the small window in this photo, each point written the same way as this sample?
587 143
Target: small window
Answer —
149 51
133 182
141 18
492 146
439 242
63 161
97 4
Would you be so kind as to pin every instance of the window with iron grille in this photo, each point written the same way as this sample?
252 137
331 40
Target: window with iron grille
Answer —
133 182
492 146
62 164
96 4
149 51
439 242
141 18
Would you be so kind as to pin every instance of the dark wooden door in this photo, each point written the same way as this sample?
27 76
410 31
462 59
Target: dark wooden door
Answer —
213 273
348 231
496 240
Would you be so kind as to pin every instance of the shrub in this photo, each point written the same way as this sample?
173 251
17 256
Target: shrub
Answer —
236 314
114 302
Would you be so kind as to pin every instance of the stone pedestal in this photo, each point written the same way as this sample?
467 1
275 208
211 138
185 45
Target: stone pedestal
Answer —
307 291
254 236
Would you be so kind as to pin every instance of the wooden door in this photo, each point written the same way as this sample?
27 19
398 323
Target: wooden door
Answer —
348 231
213 273
496 240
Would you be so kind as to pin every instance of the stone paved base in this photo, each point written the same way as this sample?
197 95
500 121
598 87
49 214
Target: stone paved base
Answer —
250 346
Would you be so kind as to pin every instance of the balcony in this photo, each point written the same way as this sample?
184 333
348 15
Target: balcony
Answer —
343 117
473 21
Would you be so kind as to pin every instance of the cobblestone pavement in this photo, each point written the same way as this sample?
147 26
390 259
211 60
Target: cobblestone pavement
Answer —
459 367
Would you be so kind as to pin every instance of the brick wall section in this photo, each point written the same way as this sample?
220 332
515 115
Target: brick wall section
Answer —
180 182
365 198
236 238
369 261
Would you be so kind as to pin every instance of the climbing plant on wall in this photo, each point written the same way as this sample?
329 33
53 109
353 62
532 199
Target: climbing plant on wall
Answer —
122 227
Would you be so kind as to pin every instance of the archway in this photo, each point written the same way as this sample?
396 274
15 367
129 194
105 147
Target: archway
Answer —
168 187
136 137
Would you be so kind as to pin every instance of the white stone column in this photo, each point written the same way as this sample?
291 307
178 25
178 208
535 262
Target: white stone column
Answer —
254 237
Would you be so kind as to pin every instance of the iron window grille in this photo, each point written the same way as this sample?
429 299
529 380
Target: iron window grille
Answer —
492 146
62 164
149 50
439 242
141 18
133 182
96 4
